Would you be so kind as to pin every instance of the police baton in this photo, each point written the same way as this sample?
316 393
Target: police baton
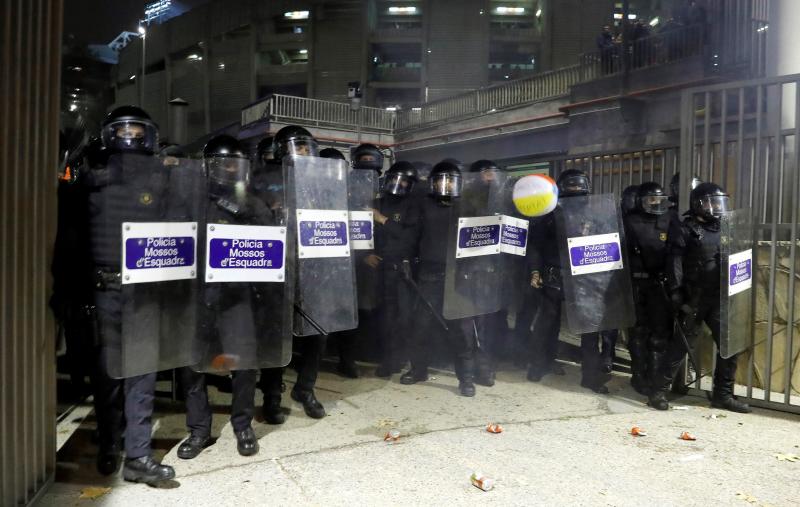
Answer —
406 271
677 328
310 320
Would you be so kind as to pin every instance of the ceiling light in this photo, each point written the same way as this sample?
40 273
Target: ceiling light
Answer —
403 10
303 51
503 11
654 21
539 12
296 15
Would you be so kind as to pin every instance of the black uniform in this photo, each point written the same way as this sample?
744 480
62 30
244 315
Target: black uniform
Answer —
693 268
646 235
545 258
136 192
229 311
435 219
395 244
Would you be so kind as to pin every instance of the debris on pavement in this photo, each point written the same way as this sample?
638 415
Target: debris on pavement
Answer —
92 493
688 436
793 458
715 416
482 482
679 407
638 432
392 436
747 498
494 428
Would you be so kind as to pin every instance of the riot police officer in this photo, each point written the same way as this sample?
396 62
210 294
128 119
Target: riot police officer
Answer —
693 273
396 230
627 202
546 275
646 229
435 215
118 194
367 156
288 141
228 309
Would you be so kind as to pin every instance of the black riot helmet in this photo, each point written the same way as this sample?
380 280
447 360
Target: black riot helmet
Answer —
572 183
294 140
628 201
367 156
331 153
445 180
400 179
265 151
227 166
423 169
675 186
709 201
487 169
651 198
130 129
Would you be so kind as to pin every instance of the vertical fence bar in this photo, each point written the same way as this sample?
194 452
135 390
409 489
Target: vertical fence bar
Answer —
774 163
794 167
723 140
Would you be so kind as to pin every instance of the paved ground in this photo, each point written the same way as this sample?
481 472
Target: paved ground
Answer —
562 445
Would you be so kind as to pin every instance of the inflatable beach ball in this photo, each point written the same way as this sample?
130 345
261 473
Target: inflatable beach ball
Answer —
535 195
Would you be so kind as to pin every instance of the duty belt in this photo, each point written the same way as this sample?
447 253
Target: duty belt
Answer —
107 279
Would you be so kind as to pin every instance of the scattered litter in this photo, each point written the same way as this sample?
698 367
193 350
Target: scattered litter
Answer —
716 416
688 436
679 407
482 482
747 498
431 378
638 432
692 457
494 428
386 423
93 493
392 436
794 458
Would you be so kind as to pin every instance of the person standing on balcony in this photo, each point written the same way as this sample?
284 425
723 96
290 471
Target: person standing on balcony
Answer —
605 44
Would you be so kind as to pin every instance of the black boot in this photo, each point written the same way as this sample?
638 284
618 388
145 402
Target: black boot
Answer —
485 378
147 470
660 381
312 407
730 402
642 360
246 441
272 411
108 460
192 446
348 368
592 377
536 372
414 375
466 388
385 370
658 399
640 384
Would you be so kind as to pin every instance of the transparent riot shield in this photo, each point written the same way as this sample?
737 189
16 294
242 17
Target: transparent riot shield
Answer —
737 269
144 250
596 281
318 211
363 194
473 281
514 270
247 290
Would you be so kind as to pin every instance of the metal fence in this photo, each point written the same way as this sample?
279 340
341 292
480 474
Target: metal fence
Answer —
746 136
30 55
491 99
319 113
612 172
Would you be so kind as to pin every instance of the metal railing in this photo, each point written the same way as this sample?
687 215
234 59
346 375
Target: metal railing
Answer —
746 137
320 113
665 47
488 100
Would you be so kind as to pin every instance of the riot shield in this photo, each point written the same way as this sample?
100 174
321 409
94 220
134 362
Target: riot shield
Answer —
144 243
247 293
473 282
736 282
318 211
596 281
514 270
363 193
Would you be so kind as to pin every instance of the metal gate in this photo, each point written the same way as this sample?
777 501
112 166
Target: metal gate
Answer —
746 137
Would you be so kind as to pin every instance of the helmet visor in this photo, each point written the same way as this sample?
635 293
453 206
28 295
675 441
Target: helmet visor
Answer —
134 135
228 171
397 184
302 146
446 185
574 185
655 204
714 205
